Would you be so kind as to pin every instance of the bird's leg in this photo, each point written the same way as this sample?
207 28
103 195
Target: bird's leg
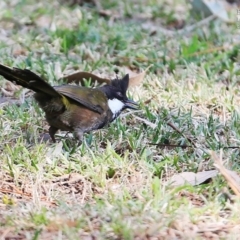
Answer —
78 133
52 130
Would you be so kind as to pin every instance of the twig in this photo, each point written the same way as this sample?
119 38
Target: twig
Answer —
128 112
180 132
169 145
170 124
187 146
150 124
197 25
172 33
231 147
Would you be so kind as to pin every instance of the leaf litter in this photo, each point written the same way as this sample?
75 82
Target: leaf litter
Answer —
208 228
192 178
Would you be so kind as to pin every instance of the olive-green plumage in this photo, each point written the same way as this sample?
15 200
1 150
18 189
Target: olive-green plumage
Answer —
73 108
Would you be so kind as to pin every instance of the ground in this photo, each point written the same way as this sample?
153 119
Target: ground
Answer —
116 184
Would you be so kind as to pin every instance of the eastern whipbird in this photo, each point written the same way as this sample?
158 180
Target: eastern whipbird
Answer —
74 108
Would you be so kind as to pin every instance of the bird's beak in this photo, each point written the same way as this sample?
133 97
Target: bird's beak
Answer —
131 104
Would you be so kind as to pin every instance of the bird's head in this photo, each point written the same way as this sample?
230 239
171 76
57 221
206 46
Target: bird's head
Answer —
116 93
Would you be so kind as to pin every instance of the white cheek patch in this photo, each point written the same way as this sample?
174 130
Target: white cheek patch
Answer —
115 105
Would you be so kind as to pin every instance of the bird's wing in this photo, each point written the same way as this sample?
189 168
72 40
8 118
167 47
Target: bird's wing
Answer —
93 99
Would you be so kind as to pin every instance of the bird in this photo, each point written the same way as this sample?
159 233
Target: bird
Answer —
74 108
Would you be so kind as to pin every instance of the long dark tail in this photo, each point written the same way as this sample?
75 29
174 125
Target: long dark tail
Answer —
27 79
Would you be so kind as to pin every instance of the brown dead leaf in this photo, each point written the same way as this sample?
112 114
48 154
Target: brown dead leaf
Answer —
79 77
137 80
231 177
192 178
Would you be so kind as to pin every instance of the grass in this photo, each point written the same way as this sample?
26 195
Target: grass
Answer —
114 185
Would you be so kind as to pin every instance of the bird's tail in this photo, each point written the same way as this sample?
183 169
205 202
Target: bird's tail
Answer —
28 79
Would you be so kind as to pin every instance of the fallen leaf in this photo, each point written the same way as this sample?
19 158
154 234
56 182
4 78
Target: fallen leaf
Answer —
136 80
192 178
217 8
79 77
200 8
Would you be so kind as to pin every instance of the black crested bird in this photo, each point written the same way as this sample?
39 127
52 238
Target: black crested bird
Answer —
74 108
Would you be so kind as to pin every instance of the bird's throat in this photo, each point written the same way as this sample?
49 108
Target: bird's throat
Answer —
115 106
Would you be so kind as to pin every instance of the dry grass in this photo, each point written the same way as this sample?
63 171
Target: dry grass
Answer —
114 186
